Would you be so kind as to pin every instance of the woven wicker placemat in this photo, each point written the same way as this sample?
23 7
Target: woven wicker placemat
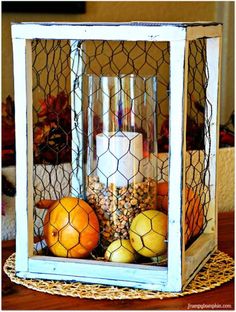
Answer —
218 270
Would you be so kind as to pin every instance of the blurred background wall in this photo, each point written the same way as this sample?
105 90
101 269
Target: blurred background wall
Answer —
221 11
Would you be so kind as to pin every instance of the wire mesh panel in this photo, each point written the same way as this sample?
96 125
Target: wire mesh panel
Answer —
119 127
103 155
198 145
124 141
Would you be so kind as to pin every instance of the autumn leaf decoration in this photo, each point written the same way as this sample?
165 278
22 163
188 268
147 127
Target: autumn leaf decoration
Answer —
52 129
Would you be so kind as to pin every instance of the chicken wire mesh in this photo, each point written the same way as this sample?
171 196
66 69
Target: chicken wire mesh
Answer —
69 92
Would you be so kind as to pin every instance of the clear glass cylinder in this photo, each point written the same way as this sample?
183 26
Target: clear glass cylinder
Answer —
121 150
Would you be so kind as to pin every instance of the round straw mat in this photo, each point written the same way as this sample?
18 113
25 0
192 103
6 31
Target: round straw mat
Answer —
218 270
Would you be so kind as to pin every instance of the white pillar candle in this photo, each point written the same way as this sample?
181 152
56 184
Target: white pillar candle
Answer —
118 157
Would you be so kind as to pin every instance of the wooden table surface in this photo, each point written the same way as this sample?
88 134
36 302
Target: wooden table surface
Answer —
16 297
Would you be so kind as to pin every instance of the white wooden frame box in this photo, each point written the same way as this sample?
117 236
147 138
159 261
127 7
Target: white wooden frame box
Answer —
182 265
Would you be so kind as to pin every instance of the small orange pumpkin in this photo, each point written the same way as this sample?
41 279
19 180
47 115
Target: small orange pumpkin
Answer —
71 227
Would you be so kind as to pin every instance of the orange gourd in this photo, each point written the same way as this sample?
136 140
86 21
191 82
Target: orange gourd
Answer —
71 227
194 216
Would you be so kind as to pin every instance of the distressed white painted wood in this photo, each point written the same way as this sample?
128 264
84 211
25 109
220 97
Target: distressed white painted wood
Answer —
178 54
212 109
97 269
129 275
197 255
23 100
117 31
88 280
76 119
98 31
95 280
30 148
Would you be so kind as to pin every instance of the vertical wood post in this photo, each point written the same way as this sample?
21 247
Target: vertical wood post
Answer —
24 151
177 145
77 180
212 111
